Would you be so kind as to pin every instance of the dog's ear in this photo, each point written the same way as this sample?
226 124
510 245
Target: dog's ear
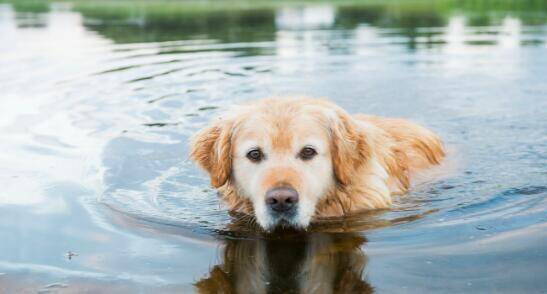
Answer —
211 149
349 147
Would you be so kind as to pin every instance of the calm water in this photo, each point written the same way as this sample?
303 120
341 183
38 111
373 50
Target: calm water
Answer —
97 103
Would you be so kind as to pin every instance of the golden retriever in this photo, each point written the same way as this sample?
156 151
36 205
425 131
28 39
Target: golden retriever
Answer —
288 161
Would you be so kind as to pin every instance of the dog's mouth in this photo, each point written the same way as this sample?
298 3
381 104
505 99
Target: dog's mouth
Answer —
284 219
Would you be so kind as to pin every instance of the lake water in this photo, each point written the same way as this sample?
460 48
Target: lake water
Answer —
97 102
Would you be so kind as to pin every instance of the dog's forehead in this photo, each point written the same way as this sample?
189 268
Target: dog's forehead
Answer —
282 130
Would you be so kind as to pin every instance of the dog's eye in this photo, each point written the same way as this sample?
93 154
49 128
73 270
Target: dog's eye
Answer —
255 155
307 153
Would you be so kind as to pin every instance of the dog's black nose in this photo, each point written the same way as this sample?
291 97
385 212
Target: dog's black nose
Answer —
282 199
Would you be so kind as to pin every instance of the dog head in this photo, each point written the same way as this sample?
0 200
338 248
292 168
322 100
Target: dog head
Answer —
283 155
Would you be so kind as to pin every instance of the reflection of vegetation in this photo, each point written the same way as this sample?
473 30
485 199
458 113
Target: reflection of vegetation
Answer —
530 12
407 19
30 13
246 20
241 21
402 15
32 6
417 13
156 23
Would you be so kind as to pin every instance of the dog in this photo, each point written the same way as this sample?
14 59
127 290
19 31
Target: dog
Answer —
315 263
288 161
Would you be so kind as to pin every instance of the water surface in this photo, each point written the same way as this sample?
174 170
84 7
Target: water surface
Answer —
98 101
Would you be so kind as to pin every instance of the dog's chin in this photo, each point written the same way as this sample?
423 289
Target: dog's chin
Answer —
284 222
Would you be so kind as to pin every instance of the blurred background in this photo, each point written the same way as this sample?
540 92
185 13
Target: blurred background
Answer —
98 100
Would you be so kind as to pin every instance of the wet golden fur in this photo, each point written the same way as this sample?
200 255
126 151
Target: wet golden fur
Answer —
371 157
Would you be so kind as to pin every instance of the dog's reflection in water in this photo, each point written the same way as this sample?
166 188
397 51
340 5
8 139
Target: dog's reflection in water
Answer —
311 263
